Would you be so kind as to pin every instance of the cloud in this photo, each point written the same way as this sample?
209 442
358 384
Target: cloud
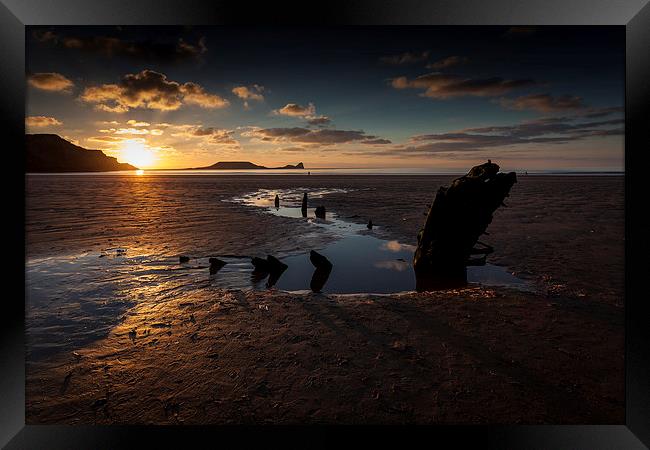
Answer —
405 58
196 95
543 102
559 130
50 81
132 131
318 120
296 110
151 90
210 135
377 141
305 112
217 136
292 149
447 62
594 113
135 123
41 121
309 136
442 86
149 50
107 139
253 92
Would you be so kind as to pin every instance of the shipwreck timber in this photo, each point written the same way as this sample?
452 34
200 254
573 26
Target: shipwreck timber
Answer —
458 216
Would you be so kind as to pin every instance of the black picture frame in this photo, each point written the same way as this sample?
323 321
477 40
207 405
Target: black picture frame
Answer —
634 15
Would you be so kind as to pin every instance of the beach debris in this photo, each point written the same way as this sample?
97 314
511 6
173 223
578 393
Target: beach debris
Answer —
215 265
320 212
458 216
303 208
275 264
66 382
322 272
369 224
318 260
277 269
183 259
277 201
271 266
260 265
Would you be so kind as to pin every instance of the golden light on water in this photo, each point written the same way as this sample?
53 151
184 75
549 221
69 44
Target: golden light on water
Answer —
135 152
139 172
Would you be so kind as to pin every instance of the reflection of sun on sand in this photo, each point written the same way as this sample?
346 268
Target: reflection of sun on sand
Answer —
135 152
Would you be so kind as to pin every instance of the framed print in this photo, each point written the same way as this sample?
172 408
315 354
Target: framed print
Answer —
237 218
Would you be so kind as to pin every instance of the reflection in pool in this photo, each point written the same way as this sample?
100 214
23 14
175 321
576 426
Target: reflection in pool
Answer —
362 261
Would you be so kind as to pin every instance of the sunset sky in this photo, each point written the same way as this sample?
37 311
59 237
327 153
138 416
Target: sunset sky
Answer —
529 98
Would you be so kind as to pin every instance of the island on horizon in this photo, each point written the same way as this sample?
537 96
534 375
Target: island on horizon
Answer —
52 153
244 165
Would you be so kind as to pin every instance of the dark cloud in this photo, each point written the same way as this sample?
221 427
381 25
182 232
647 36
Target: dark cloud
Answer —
217 135
442 86
148 50
151 90
594 113
542 131
447 62
320 137
296 110
405 58
543 102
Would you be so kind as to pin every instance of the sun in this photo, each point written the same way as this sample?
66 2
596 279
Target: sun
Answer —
135 152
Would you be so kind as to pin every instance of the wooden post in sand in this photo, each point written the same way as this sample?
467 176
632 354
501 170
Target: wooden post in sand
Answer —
303 208
459 215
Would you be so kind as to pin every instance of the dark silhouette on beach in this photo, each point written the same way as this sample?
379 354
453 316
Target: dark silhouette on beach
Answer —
459 215
50 153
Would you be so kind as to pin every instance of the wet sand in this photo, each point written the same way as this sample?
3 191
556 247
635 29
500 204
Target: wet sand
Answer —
481 355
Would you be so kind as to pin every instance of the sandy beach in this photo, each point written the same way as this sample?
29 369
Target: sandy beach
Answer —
183 350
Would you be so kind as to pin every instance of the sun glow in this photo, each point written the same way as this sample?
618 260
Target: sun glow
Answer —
136 152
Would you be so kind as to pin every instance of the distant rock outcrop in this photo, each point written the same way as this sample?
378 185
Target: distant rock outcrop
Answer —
52 153
244 165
